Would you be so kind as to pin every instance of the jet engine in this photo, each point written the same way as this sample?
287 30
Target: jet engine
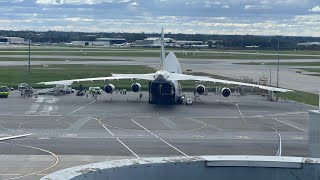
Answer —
109 88
200 89
136 87
225 92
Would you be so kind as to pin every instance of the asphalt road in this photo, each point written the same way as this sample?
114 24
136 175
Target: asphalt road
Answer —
71 130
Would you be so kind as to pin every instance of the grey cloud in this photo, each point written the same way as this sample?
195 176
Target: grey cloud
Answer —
192 16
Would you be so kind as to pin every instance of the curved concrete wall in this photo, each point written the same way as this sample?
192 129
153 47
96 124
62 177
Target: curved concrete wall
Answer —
314 134
193 168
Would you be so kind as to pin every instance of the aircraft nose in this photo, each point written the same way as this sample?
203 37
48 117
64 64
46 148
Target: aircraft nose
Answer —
160 77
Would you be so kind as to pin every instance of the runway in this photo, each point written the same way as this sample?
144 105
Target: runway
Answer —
71 130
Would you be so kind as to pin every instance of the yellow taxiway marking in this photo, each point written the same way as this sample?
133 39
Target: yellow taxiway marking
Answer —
196 129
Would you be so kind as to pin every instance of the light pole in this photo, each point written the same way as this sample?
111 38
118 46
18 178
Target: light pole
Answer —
278 64
242 44
270 77
29 75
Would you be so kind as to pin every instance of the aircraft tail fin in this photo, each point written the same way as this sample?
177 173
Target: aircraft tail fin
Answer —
162 52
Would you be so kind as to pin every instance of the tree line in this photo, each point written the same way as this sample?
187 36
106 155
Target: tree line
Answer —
214 40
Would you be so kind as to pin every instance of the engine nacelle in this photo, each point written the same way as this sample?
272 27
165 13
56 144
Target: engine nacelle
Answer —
200 89
136 87
225 92
109 88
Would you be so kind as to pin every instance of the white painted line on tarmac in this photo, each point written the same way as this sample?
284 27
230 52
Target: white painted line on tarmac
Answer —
160 138
276 130
128 148
297 138
108 130
69 135
52 100
33 109
243 137
244 120
78 109
291 125
44 138
46 109
197 137
105 127
7 129
278 114
287 113
9 174
59 120
217 117
30 115
256 116
14 137
39 99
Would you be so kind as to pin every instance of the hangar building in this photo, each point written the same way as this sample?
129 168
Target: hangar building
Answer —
11 40
100 42
112 40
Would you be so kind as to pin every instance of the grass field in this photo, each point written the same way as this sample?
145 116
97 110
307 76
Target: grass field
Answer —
57 59
299 52
316 70
56 48
13 75
284 63
142 53
303 97
88 48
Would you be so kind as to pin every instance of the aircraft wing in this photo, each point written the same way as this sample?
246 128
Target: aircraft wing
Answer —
135 76
113 77
70 81
185 77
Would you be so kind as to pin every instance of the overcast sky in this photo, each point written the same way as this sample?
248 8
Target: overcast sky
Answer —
259 17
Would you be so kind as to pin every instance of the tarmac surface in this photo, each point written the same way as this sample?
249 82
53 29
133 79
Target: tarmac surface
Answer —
71 130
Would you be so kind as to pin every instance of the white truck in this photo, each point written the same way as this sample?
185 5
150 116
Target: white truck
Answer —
96 90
